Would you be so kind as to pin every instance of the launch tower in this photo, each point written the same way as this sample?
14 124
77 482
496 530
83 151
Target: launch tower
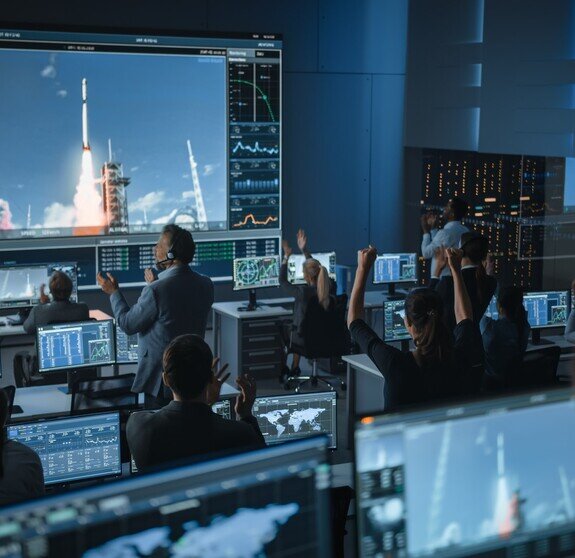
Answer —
114 199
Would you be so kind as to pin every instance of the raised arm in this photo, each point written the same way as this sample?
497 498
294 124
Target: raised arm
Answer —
365 260
462 303
302 243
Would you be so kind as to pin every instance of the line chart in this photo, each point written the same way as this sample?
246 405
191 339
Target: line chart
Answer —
255 149
251 218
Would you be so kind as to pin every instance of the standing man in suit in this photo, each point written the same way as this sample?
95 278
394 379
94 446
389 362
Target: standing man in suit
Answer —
177 302
61 309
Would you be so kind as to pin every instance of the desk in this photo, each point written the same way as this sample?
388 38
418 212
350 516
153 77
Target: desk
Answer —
249 341
51 400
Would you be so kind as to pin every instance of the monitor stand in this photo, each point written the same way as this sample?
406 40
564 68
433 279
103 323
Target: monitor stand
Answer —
536 338
252 303
391 293
74 375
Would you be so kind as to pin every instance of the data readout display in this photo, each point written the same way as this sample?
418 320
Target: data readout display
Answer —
395 268
253 273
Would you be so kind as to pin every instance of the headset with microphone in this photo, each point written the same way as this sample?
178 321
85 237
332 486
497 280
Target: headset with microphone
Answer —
171 254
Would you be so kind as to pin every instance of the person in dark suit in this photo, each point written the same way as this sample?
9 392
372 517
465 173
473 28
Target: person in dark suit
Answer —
61 309
480 285
187 426
174 303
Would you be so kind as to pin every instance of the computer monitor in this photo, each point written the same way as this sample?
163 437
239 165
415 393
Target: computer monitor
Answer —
390 269
393 321
126 347
296 261
489 478
20 285
269 502
73 448
256 273
75 345
222 408
290 417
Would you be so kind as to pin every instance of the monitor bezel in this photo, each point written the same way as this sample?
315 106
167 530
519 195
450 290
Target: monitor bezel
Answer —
112 362
254 287
72 418
334 437
382 256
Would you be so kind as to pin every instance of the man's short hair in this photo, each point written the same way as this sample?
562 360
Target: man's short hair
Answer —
181 242
459 207
188 365
60 285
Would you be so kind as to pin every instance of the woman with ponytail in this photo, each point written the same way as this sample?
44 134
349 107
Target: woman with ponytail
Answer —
317 284
504 339
479 284
21 473
442 362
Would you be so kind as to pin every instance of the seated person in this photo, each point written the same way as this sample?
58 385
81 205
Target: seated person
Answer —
318 284
441 365
479 285
570 326
504 340
21 473
61 309
187 426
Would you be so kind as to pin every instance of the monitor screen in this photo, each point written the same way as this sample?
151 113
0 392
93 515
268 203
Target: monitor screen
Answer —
547 309
476 480
289 417
20 285
75 345
208 155
272 502
296 261
395 268
393 321
73 449
255 273
126 347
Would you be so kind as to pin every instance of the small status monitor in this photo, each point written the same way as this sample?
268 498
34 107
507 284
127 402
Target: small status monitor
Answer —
255 273
270 502
289 417
393 321
126 347
488 478
395 268
296 261
547 309
75 345
20 285
73 448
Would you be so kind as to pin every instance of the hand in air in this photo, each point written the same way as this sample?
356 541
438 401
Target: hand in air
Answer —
245 400
218 380
44 298
366 258
454 257
286 248
149 275
109 283
302 240
440 259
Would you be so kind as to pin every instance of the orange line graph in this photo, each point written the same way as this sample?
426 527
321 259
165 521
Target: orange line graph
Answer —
251 217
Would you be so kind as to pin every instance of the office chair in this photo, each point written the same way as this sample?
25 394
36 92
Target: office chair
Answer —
102 393
537 369
11 393
325 335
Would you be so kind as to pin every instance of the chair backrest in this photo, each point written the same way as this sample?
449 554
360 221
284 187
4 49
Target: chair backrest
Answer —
325 332
11 393
538 368
22 366
101 393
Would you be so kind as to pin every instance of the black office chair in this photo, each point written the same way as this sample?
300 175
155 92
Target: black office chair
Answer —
325 335
11 394
537 369
103 393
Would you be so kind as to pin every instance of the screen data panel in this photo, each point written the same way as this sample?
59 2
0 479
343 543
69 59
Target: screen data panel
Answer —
206 157
73 449
272 502
296 261
254 273
290 417
395 268
126 347
466 481
75 345
393 321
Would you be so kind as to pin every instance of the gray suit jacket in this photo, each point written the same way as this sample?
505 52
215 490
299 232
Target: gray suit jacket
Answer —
53 312
177 303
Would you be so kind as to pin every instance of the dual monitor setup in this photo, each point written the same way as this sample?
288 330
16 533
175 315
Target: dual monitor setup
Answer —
545 310
88 447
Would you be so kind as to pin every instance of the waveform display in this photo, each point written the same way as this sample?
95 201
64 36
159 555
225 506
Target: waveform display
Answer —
255 149
251 219
101 441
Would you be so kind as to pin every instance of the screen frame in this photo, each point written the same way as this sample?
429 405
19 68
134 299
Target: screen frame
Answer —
254 287
382 256
79 366
549 326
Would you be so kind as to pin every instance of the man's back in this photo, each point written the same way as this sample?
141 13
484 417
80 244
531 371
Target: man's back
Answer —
23 474
185 429
60 311
177 303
